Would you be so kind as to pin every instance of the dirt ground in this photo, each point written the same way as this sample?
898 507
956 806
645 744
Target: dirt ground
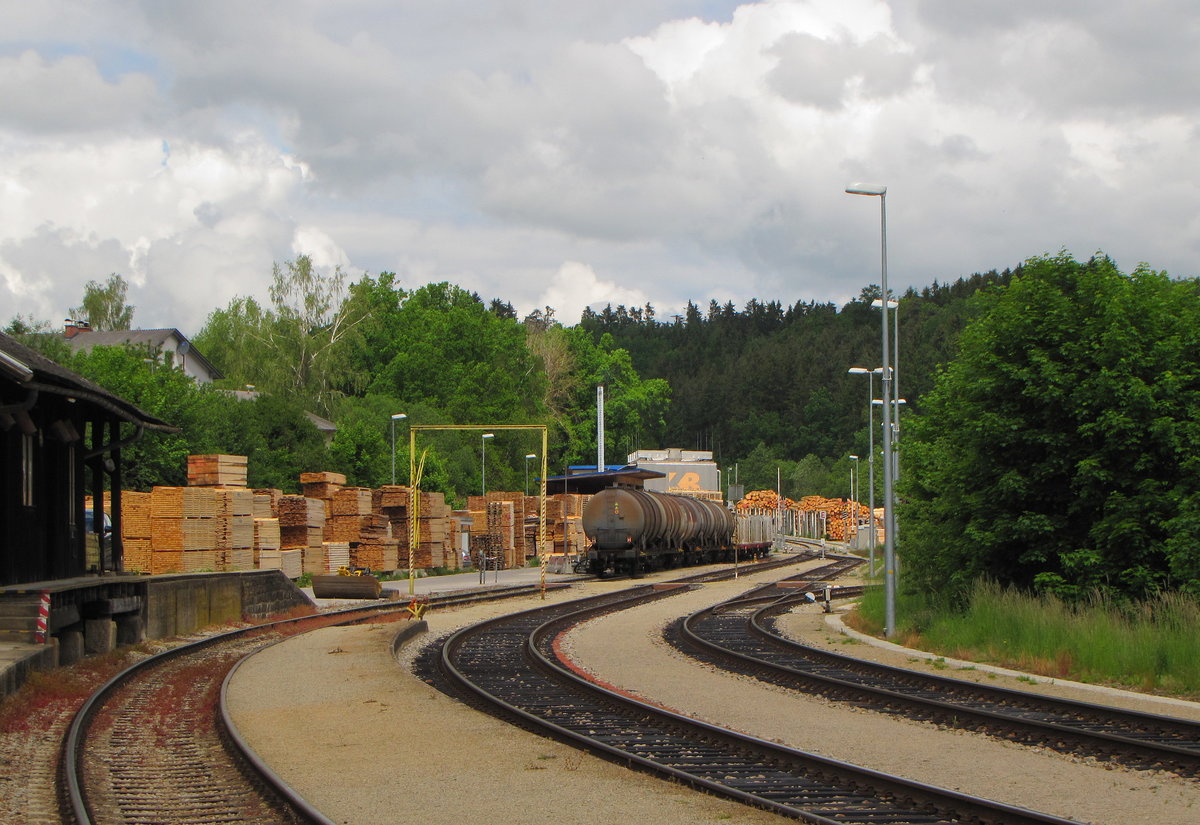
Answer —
367 742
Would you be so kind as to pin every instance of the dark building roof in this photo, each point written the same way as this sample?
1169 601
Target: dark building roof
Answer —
85 339
30 370
594 482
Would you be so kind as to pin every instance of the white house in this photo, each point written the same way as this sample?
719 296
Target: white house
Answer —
169 346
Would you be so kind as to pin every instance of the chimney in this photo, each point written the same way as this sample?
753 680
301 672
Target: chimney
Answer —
74 327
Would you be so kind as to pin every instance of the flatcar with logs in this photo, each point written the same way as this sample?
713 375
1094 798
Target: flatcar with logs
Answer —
631 531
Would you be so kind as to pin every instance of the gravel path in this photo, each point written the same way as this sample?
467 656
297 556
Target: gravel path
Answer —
366 742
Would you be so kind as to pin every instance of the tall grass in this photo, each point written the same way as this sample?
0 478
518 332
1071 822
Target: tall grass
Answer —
1151 646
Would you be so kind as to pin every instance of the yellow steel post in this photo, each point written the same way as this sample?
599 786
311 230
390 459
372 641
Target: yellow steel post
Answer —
543 556
413 503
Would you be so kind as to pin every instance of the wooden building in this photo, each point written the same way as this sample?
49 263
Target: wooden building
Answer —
60 446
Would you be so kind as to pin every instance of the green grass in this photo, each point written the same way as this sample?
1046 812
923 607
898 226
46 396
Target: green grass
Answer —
1151 646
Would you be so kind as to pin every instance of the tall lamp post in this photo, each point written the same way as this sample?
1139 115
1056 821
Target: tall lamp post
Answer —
395 418
483 461
889 508
894 306
854 495
870 460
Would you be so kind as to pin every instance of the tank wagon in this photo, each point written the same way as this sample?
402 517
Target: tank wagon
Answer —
632 531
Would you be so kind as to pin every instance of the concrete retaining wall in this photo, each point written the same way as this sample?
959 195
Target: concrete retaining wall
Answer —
184 604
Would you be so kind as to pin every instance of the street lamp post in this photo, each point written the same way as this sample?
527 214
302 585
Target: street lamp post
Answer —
483 461
395 418
894 306
889 509
870 460
854 495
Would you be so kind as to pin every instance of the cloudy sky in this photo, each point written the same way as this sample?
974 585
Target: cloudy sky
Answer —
585 152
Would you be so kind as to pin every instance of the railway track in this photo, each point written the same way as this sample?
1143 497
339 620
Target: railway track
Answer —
510 667
153 744
741 635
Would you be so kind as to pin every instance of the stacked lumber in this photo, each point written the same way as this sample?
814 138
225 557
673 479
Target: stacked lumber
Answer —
199 561
351 501
166 529
199 533
216 470
321 485
236 560
564 523
394 495
433 517
337 555
266 502
235 520
501 527
393 501
136 543
302 527
266 534
289 561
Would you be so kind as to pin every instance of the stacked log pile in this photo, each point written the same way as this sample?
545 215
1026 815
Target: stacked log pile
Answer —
840 515
766 500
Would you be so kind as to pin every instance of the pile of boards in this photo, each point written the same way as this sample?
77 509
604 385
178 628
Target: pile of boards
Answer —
218 524
504 526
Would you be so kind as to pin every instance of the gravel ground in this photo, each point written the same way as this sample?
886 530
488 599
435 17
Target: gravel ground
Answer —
366 742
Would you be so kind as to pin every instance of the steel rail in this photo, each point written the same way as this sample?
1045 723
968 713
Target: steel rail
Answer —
544 695
754 647
75 802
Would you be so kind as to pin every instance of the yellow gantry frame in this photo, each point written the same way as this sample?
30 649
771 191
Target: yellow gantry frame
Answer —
414 532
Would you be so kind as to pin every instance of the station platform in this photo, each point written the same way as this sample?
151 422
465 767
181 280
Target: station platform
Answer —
89 615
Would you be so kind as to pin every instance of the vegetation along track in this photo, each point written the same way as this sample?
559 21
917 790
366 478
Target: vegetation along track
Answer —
741 635
509 666
153 746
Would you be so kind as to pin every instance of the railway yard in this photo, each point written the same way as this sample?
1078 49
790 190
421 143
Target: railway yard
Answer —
366 731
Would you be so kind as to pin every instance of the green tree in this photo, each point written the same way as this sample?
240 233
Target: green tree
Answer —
453 353
300 348
635 409
1058 449
104 306
275 435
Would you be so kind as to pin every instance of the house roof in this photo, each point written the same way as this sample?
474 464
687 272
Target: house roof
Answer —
28 369
154 338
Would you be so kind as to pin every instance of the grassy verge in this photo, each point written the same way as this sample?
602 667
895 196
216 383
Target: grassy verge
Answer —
1151 646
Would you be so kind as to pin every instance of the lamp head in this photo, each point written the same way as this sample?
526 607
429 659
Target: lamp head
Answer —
866 189
489 435
398 416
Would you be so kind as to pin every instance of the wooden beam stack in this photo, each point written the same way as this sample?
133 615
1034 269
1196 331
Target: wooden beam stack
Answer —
135 531
216 470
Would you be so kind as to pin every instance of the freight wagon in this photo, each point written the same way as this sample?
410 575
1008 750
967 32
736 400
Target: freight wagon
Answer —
631 531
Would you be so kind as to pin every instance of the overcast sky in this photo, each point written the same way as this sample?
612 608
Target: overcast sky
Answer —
585 152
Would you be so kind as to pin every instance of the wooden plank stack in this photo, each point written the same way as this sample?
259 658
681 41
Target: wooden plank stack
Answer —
321 485
214 470
135 531
216 523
